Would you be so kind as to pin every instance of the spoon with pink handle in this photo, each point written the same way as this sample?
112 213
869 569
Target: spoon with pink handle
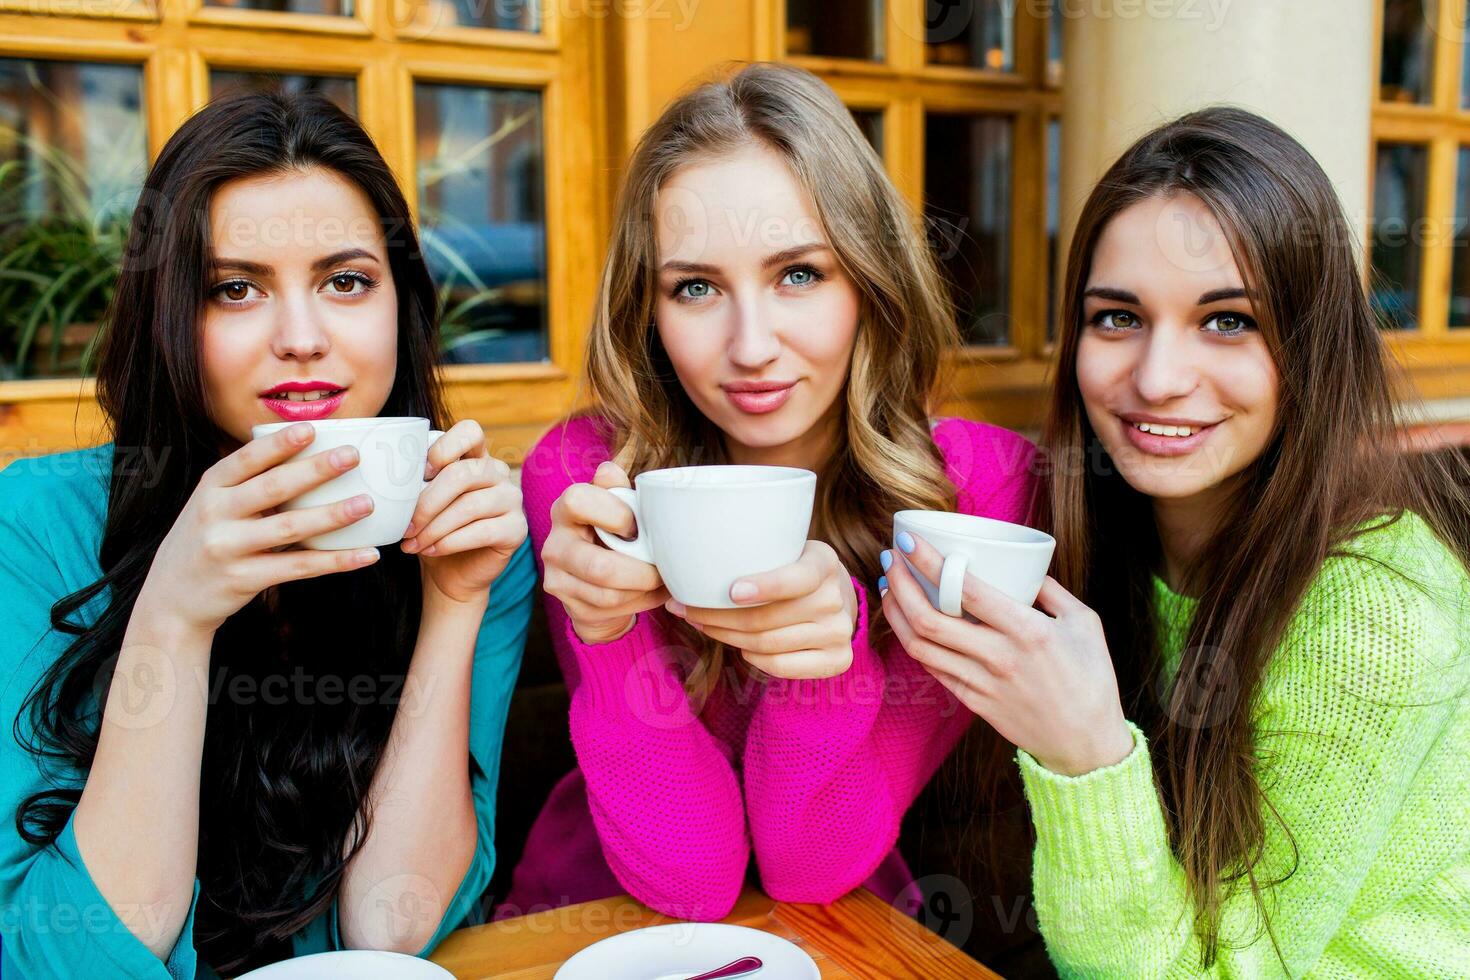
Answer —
743 967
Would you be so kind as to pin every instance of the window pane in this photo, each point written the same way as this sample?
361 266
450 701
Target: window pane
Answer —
1398 208
1053 221
330 8
1460 273
342 91
1055 16
870 121
501 15
835 28
482 214
73 154
967 206
977 33
1408 51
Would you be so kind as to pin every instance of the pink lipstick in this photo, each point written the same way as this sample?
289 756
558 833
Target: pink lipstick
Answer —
758 397
304 401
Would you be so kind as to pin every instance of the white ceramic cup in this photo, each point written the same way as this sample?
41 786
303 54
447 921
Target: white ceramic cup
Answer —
391 457
1010 557
704 527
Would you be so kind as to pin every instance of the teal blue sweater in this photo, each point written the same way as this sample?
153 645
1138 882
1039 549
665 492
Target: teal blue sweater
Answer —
54 921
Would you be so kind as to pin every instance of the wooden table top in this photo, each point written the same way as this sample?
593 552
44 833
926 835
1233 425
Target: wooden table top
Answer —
859 937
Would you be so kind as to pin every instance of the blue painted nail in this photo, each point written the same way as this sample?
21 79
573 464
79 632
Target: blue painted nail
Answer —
885 558
905 542
882 583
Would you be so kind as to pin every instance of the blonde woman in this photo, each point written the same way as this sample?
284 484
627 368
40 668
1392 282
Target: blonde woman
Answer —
767 299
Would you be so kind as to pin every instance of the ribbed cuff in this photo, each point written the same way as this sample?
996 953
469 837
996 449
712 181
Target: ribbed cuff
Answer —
1101 826
633 675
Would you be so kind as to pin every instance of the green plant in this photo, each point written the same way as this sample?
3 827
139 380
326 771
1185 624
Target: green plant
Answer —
63 227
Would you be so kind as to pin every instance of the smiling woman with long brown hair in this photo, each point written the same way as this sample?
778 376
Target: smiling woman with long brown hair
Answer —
1241 706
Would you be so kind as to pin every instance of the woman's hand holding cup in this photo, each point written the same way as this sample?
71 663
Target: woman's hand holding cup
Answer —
804 625
228 543
1042 677
601 590
468 521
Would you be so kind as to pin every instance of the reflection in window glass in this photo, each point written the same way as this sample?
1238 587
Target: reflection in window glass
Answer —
835 28
482 215
967 208
870 121
1460 273
1408 51
500 15
73 154
329 8
1055 19
973 33
1053 221
342 91
1398 209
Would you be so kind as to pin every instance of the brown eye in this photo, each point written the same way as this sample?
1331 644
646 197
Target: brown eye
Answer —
235 292
344 284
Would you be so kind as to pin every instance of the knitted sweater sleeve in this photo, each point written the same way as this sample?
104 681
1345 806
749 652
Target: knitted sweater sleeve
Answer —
662 791
832 765
1360 696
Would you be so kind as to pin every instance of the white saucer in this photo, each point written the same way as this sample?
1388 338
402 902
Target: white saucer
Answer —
682 950
353 964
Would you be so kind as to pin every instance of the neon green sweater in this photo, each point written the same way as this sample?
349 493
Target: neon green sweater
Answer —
1363 727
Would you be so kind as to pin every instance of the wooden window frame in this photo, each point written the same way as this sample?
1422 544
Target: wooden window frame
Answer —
177 42
1437 358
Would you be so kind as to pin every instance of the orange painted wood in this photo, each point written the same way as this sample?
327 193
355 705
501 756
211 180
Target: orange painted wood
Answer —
859 937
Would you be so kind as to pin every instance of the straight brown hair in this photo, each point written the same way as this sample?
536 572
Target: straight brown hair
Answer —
1332 464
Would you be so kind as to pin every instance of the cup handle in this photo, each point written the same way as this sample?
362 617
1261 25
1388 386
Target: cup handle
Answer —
952 585
638 547
434 435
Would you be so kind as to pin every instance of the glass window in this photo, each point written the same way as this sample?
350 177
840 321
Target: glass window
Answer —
482 215
501 15
835 28
1460 272
329 8
342 91
974 33
967 207
1053 221
73 155
1399 183
1408 51
1056 16
870 121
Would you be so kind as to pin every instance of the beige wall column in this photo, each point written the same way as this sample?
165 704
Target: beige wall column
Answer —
1307 65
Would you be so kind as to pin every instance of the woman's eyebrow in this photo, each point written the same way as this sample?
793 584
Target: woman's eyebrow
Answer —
1220 295
774 259
1112 293
320 265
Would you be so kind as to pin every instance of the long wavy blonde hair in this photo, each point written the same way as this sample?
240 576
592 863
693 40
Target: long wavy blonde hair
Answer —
885 459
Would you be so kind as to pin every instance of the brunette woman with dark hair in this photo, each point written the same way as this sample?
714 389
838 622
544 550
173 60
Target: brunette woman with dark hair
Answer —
1242 704
228 750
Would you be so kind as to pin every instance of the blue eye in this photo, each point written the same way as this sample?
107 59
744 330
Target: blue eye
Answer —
1229 324
691 289
801 276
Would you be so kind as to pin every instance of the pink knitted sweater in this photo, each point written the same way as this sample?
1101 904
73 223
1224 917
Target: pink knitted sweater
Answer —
814 776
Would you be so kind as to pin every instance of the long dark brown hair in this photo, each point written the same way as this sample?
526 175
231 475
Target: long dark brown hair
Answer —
284 779
1333 463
